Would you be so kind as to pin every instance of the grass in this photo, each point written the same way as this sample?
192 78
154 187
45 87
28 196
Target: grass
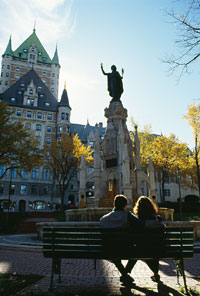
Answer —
10 284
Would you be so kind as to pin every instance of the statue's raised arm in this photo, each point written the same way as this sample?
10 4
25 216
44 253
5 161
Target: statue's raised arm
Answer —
115 86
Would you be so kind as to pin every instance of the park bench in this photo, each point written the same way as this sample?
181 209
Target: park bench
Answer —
107 243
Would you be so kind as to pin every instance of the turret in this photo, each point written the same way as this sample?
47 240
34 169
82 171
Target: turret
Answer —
6 66
63 115
55 74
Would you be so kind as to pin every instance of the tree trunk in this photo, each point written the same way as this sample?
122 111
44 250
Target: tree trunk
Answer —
180 198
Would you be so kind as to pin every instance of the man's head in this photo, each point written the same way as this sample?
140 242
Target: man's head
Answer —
120 202
113 68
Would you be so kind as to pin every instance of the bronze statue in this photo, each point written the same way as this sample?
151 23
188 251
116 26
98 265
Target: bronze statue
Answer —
115 86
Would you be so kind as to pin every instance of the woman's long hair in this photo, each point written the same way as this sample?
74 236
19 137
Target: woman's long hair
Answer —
145 208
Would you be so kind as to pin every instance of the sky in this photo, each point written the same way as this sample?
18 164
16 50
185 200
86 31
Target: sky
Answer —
132 34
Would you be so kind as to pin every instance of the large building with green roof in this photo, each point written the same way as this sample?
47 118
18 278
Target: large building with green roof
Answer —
30 54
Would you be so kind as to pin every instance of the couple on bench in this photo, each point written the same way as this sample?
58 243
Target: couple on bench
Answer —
144 217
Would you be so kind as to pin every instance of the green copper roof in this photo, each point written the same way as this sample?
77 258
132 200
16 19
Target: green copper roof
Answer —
8 50
22 50
55 59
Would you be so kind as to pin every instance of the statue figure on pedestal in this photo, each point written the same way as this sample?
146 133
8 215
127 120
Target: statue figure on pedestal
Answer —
115 86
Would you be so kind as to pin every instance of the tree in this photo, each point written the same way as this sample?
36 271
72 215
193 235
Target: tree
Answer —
193 118
169 156
188 41
63 158
18 148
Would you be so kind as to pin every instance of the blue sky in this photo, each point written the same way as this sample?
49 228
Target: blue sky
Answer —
133 34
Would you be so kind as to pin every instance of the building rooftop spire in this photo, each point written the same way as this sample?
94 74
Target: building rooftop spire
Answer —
55 59
64 98
8 50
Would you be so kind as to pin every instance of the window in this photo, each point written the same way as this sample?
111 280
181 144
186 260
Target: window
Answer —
14 172
19 92
39 89
39 53
91 143
46 173
48 140
17 69
45 190
6 82
38 127
7 74
39 205
44 81
41 96
33 49
22 85
2 170
19 113
16 76
60 129
23 174
49 116
52 89
1 188
23 189
3 66
28 126
44 59
30 91
25 50
39 115
8 66
12 189
48 129
52 82
35 173
166 192
44 74
32 56
63 116
67 116
1 74
30 102
47 154
34 190
12 100
29 113
53 74
46 104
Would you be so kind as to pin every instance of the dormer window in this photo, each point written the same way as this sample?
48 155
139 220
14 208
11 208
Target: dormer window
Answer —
17 69
39 53
39 89
30 91
52 89
12 100
44 74
33 49
46 104
30 102
22 85
25 50
44 59
16 76
44 81
19 92
41 96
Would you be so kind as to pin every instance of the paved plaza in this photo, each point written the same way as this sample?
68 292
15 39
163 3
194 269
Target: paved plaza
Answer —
80 278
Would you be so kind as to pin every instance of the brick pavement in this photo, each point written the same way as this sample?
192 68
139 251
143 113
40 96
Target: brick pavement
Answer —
79 275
